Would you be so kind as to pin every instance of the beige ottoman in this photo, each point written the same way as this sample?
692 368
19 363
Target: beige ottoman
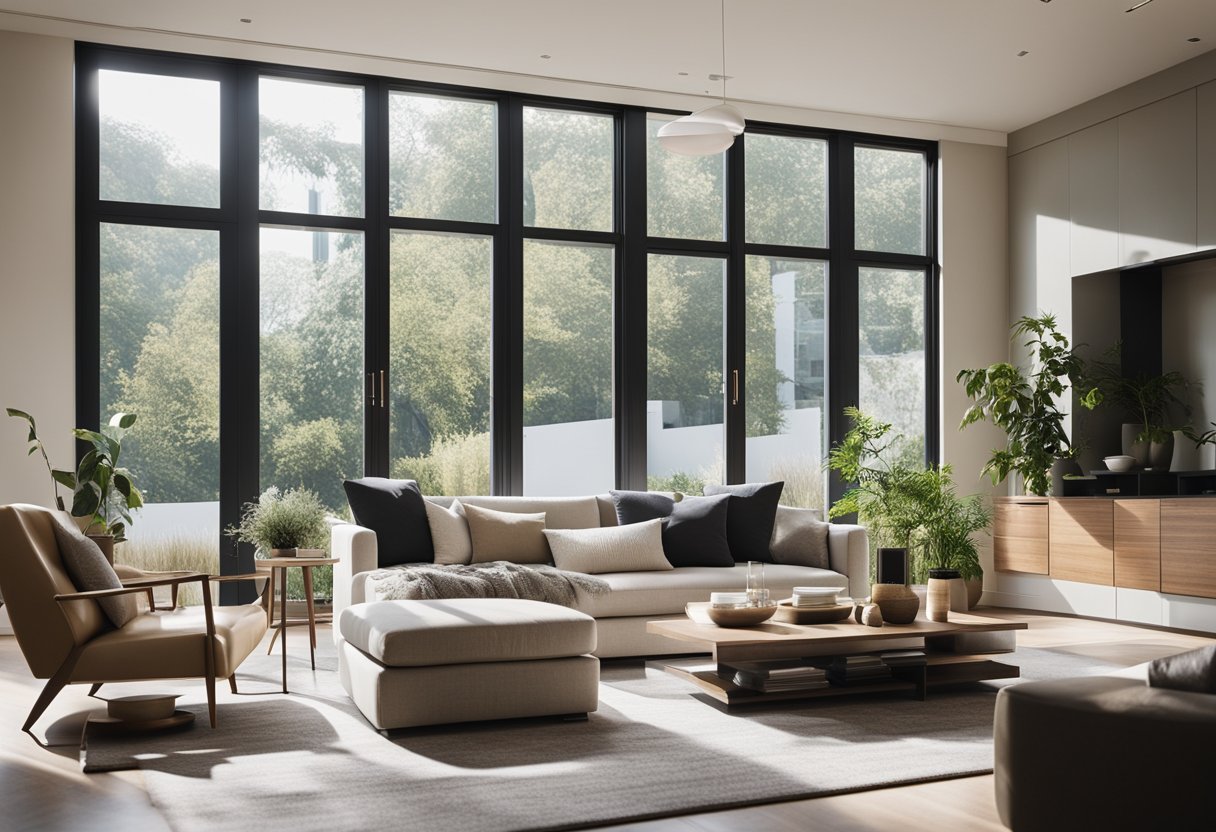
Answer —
411 663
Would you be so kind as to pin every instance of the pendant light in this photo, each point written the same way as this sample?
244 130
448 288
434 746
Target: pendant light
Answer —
707 131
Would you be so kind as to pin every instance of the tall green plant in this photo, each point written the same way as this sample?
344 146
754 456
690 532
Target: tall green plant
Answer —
946 539
1024 403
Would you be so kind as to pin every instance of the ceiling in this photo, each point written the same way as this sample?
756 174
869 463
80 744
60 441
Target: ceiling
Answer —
947 62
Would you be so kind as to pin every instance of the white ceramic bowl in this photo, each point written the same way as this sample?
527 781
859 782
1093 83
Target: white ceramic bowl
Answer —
1119 463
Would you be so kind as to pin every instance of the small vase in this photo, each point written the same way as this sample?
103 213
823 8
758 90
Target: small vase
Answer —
1159 454
937 601
1186 453
898 603
1131 447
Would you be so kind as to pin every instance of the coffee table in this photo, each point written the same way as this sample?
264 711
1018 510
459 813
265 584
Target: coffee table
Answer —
957 651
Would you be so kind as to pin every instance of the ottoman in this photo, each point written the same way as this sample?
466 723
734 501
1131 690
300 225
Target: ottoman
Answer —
412 663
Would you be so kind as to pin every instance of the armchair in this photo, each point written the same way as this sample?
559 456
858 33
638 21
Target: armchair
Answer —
66 638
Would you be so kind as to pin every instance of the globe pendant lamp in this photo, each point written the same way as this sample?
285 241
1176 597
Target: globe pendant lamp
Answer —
707 131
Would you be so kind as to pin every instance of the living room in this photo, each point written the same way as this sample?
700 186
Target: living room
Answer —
472 259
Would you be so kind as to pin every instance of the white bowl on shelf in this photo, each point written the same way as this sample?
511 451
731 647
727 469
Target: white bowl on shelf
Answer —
1119 463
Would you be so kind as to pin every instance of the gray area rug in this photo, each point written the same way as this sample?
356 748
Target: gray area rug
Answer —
310 761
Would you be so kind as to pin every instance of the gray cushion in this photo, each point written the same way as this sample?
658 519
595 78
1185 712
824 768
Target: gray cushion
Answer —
749 522
1194 670
90 571
800 537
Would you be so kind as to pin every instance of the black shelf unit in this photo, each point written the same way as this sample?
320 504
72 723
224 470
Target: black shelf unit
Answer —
1143 482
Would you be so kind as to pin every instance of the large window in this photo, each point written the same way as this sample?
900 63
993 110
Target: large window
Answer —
298 276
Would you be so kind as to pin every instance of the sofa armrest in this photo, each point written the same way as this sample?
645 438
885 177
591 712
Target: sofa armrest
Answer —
355 549
849 554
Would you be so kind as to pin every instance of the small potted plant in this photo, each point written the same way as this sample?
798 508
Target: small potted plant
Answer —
947 548
1147 401
278 524
1023 405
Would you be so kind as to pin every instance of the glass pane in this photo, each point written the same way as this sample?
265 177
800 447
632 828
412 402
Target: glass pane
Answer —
311 352
160 359
684 428
443 158
685 195
159 139
787 190
311 147
439 361
892 354
786 351
568 169
568 438
890 191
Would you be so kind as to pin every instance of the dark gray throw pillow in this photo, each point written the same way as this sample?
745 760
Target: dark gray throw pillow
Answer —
749 520
695 533
90 571
396 512
1194 670
640 506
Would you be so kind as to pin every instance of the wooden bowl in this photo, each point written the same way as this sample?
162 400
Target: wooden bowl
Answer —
740 616
787 613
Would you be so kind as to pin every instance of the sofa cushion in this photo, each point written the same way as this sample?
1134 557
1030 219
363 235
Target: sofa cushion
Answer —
1194 670
637 547
667 593
90 571
394 510
449 533
560 512
465 630
799 537
640 506
695 532
506 535
749 523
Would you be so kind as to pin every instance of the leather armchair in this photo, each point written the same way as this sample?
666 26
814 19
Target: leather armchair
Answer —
67 639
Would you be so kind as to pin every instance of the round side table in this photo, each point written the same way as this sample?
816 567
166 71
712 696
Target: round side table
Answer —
277 573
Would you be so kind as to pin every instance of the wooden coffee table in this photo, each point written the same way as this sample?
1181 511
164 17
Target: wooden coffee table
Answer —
956 652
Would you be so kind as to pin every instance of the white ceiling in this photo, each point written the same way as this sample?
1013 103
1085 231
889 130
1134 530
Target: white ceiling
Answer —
948 62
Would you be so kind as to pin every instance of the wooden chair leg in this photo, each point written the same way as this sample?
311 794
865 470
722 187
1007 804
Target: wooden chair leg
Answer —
173 596
96 687
53 685
232 682
152 600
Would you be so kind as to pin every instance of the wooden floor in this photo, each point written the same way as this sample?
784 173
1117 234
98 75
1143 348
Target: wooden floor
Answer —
44 789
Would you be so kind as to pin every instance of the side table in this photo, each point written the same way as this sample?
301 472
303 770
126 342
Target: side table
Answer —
277 573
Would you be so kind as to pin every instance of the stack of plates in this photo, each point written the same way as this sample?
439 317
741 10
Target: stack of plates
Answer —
728 599
814 596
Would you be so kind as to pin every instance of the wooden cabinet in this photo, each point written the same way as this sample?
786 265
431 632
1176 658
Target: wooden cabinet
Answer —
1019 535
1157 189
1093 198
1188 547
1081 540
1137 544
1206 171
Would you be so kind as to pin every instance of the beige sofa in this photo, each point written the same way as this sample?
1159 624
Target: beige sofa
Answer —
635 597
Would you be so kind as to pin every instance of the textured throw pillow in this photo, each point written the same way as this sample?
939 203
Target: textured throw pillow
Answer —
749 522
696 532
449 533
800 538
637 547
1194 670
90 571
505 535
396 512
640 506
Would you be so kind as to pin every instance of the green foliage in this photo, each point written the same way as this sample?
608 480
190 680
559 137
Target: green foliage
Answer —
1025 406
456 465
1208 437
679 481
283 520
1149 400
36 446
905 505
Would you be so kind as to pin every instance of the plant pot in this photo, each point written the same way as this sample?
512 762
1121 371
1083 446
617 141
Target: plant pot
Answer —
1160 453
283 553
1131 447
898 603
941 593
975 589
1186 453
1059 468
105 542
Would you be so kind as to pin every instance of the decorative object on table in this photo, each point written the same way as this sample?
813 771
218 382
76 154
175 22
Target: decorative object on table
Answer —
103 493
899 604
788 613
1120 462
871 615
1025 407
1148 401
757 590
860 604
893 565
744 616
814 596
283 520
937 601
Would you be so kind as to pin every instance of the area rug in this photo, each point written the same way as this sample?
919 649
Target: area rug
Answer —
309 760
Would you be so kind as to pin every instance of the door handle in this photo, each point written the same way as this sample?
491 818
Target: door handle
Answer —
734 396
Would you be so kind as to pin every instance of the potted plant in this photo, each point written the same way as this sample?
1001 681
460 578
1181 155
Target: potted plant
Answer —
1147 401
278 523
103 493
1024 405
947 546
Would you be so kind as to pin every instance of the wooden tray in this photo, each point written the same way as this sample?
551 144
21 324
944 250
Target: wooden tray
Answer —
787 613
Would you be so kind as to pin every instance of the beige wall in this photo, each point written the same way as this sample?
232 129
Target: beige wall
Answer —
37 283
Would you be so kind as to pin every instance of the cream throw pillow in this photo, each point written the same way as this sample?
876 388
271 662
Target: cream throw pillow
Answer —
505 535
449 533
637 547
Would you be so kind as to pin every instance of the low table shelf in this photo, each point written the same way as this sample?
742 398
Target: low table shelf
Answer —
958 651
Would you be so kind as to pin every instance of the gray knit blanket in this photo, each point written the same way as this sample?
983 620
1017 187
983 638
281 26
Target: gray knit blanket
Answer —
497 579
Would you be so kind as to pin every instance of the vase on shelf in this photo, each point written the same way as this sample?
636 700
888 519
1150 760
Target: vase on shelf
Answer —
1160 453
1132 447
